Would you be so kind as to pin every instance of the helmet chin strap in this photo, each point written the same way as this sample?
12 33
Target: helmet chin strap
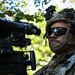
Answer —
65 37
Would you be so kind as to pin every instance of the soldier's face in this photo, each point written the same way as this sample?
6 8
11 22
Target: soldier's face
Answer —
56 35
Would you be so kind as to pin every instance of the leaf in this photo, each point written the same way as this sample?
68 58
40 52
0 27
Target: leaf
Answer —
2 14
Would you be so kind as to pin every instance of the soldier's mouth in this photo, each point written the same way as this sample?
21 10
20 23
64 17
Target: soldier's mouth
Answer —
52 42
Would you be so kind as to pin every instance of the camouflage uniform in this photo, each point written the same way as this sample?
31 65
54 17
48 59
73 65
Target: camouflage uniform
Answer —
61 65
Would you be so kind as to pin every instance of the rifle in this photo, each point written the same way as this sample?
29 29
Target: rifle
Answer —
13 34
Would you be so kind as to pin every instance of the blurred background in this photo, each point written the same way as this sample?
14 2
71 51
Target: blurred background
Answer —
33 11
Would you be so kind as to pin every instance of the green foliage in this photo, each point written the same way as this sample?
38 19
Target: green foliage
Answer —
42 52
2 14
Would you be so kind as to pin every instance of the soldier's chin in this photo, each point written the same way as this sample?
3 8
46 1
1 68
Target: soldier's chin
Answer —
56 49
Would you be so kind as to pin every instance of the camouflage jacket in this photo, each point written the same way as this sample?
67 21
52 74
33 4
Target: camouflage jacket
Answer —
62 65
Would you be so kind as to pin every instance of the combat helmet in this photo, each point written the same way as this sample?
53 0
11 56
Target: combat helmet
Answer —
67 15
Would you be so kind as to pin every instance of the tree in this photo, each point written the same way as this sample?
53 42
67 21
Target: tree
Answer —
13 9
18 10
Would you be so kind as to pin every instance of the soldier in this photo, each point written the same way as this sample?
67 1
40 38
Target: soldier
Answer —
61 36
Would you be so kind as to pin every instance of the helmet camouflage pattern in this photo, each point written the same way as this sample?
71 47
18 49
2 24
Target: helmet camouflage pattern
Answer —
65 15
